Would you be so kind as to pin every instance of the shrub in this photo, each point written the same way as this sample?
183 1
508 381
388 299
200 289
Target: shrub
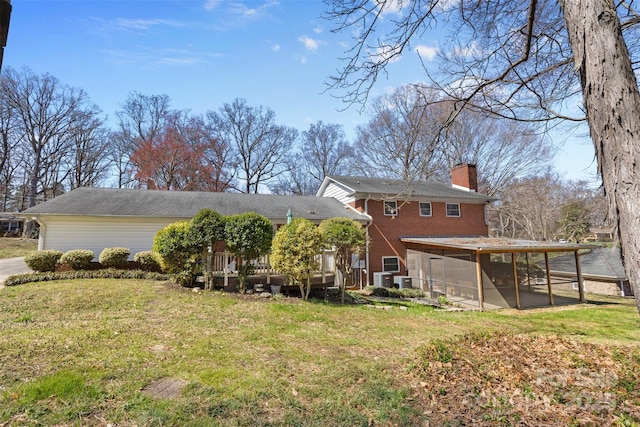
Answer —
178 254
77 259
43 260
83 274
148 260
380 292
114 257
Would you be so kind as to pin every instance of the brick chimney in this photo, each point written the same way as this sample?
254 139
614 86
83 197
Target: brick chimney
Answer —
465 176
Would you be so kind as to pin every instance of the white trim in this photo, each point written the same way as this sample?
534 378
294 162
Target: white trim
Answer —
446 208
389 257
384 207
420 209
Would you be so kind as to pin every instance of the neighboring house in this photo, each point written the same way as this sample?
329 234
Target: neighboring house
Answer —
10 224
601 234
98 218
401 209
602 272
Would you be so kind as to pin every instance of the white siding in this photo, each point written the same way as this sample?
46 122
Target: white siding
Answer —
96 233
339 192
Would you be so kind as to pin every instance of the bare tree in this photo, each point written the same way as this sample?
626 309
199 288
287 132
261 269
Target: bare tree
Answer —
529 208
88 161
523 60
259 144
47 112
324 150
181 156
401 140
10 152
140 120
502 149
295 180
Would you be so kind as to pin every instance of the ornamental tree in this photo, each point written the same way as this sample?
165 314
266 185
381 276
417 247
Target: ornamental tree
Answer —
294 251
248 236
179 254
205 231
348 238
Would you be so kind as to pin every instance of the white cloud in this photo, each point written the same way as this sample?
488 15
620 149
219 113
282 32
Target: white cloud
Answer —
390 6
275 47
468 51
385 53
302 59
427 52
211 4
145 24
318 30
253 13
309 43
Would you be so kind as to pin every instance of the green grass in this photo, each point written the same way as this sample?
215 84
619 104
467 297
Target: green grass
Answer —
16 247
79 352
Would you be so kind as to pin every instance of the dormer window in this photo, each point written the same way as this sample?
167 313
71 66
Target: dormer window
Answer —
390 208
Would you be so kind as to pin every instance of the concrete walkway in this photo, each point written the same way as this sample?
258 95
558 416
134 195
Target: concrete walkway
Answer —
10 267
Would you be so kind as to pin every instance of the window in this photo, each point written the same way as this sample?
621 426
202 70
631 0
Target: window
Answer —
390 264
574 284
391 208
453 209
425 209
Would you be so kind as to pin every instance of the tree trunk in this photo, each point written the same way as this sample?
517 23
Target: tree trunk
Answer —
612 100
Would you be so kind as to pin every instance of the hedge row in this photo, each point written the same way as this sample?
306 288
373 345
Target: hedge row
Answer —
81 259
84 274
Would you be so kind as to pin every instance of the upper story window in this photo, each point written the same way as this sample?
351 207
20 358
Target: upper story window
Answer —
425 209
453 209
390 264
390 208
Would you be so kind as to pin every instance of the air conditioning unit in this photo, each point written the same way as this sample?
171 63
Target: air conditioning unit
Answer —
402 282
382 279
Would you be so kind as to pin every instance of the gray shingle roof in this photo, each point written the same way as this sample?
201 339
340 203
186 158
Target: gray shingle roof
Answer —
185 204
404 189
601 262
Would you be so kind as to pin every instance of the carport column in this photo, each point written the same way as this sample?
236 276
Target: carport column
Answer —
579 274
479 280
515 279
546 266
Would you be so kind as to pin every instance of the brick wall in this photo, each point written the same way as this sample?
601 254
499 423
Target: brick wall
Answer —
385 231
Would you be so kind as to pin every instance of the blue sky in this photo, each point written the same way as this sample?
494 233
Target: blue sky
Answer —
203 53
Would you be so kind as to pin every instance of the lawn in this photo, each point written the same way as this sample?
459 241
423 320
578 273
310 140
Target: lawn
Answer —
84 352
12 247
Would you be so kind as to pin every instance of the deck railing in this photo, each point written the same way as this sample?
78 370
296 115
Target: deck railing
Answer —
225 264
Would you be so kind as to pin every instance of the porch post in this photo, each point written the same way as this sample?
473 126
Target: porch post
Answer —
225 268
479 280
579 274
322 267
515 279
546 266
268 270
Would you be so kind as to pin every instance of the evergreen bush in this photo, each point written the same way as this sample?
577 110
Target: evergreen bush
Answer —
148 260
114 257
77 259
43 260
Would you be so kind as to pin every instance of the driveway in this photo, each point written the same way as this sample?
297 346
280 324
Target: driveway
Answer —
12 266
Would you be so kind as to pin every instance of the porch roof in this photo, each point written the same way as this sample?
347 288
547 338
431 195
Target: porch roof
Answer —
493 244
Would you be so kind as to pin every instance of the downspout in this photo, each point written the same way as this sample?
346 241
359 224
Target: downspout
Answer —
41 234
366 230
